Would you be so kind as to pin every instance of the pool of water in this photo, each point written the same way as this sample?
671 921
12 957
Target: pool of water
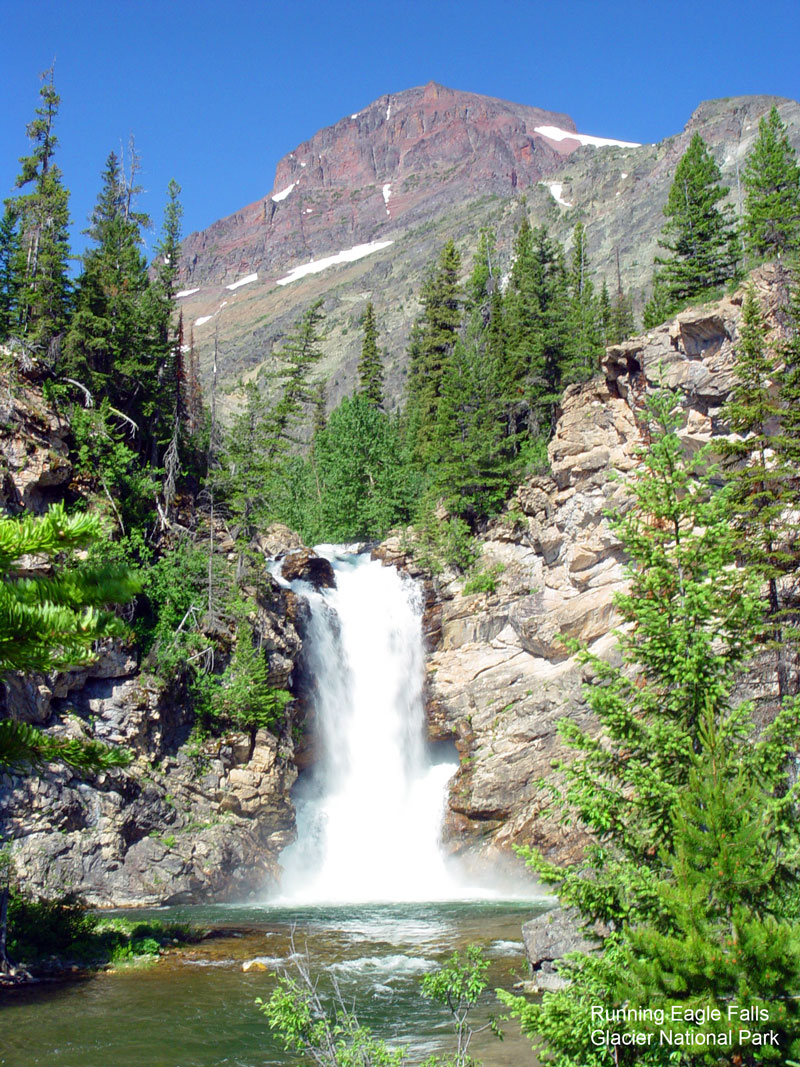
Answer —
196 1008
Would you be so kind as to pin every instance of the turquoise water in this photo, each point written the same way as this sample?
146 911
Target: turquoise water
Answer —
196 1007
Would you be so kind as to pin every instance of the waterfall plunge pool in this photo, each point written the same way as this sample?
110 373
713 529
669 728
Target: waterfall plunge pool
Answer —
195 1008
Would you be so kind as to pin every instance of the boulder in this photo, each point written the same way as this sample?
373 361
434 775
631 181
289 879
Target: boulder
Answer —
548 938
307 566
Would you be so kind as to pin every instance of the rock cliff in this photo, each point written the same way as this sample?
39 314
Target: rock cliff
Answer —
499 677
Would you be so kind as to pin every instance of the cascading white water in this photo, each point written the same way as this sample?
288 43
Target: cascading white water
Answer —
369 824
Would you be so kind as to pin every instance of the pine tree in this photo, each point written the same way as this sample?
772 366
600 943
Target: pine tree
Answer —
584 348
41 217
108 347
695 620
699 234
760 478
723 939
659 305
621 311
432 345
370 366
173 393
357 461
259 468
536 326
692 621
771 223
9 252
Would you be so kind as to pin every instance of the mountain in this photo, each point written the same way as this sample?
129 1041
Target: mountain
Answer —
359 212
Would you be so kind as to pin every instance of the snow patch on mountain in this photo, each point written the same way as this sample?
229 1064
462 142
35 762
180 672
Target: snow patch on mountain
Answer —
283 193
186 292
243 281
554 133
387 192
349 255
203 320
556 188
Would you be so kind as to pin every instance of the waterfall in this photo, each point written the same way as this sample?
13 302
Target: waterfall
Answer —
369 814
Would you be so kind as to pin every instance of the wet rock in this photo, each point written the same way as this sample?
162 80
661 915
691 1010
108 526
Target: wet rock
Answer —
307 566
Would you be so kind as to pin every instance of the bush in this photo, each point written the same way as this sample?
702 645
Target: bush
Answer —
483 581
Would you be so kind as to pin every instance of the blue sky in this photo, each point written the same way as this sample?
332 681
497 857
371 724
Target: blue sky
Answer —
215 93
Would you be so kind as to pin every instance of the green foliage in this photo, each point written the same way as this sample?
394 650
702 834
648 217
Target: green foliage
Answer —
771 178
38 291
698 234
432 345
760 472
370 366
63 931
694 847
323 1028
260 472
445 542
240 697
483 581
358 484
722 940
327 1031
52 621
457 985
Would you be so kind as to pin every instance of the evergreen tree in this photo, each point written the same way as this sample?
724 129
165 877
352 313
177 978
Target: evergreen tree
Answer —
536 326
370 366
659 305
584 348
762 467
357 460
621 312
771 223
482 282
723 939
9 252
257 479
109 344
789 431
172 393
41 216
699 234
432 345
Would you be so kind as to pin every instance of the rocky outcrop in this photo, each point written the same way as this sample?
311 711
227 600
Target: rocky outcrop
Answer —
34 464
502 675
548 938
186 821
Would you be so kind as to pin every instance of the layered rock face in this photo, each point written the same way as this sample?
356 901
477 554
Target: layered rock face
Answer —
361 211
501 678
396 161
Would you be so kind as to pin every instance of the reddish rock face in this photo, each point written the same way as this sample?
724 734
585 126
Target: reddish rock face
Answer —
395 160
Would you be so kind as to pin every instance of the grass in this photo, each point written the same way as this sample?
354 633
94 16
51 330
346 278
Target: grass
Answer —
47 936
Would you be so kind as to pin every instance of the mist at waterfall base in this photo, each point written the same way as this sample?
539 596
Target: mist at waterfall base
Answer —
370 811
